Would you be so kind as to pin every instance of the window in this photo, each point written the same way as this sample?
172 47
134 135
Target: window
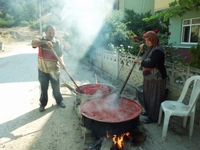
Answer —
116 5
191 30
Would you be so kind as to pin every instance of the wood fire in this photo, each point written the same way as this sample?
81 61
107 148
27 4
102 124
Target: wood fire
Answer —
118 140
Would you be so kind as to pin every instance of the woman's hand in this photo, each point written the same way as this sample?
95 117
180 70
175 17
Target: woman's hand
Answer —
137 60
142 48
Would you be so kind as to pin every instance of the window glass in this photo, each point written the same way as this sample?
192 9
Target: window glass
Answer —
186 22
195 33
191 30
195 21
186 33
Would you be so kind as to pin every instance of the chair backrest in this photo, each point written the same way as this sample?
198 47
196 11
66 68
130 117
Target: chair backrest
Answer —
195 91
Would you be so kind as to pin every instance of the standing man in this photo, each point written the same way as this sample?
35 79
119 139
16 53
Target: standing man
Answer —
48 66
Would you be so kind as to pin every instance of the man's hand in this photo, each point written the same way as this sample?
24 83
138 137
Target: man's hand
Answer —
38 43
49 44
62 66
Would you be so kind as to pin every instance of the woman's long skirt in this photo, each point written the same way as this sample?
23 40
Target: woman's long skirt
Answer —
153 96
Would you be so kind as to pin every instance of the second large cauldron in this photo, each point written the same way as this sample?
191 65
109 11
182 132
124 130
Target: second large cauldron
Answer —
101 116
81 97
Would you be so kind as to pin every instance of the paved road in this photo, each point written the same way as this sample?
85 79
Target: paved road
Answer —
18 75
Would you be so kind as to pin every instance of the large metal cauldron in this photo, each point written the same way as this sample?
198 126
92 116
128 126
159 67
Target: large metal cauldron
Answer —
82 97
101 127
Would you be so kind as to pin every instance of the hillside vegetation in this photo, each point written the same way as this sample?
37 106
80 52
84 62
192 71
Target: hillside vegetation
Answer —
26 12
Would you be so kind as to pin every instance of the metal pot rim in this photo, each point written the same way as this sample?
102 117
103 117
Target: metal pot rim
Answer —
107 121
108 85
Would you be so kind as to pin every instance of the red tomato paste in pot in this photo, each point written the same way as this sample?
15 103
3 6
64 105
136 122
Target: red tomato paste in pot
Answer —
94 89
103 109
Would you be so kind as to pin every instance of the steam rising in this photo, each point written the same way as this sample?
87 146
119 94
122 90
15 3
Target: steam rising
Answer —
108 106
88 17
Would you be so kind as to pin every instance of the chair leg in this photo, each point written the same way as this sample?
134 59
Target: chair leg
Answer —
191 124
160 115
165 125
185 121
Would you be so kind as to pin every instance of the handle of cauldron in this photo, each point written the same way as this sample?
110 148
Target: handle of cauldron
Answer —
65 69
129 74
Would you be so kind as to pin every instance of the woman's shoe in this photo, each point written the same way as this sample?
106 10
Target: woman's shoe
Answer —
147 121
143 113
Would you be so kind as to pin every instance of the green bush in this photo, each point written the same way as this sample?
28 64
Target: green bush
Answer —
33 25
195 52
10 23
170 50
115 31
138 26
2 22
24 23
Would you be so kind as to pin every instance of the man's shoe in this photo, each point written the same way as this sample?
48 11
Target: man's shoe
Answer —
61 105
41 108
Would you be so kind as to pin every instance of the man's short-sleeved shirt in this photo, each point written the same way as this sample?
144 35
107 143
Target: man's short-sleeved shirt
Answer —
47 61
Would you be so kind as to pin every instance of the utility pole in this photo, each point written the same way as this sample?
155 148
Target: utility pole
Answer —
40 18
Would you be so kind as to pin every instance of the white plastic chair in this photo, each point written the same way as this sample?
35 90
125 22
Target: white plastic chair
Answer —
177 108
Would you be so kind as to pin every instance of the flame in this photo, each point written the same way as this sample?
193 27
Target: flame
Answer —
118 139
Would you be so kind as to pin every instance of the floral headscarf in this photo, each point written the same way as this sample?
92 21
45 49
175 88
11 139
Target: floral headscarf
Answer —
151 36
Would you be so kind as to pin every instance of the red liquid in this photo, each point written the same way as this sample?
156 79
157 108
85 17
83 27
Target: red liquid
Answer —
103 110
95 88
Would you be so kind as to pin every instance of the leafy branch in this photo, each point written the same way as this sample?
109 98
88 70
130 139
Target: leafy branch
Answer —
178 7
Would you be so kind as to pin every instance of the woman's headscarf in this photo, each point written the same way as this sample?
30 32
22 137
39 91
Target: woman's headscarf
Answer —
151 36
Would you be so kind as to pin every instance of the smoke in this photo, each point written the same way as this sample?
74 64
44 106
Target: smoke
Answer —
87 18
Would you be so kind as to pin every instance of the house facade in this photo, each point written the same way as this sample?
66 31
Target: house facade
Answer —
139 6
184 30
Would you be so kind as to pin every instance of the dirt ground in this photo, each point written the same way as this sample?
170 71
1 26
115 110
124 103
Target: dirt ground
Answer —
54 129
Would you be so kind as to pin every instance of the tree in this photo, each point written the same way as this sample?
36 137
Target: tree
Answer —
138 26
178 7
14 12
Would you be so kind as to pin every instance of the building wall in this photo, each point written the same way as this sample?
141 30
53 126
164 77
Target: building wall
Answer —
176 28
161 5
139 6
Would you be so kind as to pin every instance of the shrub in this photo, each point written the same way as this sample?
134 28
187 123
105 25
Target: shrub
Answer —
10 23
33 25
115 31
195 51
7 22
24 23
2 22
138 26
170 51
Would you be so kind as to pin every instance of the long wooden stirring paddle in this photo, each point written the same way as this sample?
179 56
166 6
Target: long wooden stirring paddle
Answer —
118 97
65 69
